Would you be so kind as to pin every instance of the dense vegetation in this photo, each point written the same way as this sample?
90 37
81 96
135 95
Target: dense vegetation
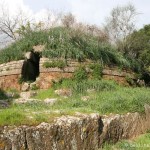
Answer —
64 43
137 46
73 40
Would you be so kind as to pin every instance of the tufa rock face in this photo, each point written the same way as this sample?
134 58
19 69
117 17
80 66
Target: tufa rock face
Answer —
32 69
85 132
10 81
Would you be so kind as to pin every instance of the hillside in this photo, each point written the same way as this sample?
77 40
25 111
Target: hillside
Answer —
49 75
64 43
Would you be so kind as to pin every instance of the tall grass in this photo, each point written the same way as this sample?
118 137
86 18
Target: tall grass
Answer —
64 43
85 85
17 50
105 99
12 117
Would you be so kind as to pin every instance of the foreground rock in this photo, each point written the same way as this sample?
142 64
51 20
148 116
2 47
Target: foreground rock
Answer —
25 87
23 101
50 101
27 95
63 92
85 132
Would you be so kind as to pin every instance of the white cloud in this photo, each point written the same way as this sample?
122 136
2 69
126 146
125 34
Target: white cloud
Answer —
14 6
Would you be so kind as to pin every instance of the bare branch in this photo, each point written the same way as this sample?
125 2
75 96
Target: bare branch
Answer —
121 23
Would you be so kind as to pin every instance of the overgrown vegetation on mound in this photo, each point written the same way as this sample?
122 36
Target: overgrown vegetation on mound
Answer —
61 42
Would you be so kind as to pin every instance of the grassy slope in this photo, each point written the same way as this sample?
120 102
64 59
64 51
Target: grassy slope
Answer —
110 98
64 43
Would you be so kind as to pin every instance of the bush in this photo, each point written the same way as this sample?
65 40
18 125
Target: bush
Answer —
97 85
2 95
97 71
80 74
13 93
130 81
84 86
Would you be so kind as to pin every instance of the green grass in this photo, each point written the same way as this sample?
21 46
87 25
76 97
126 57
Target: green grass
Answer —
140 143
43 94
81 86
12 117
120 101
105 97
59 63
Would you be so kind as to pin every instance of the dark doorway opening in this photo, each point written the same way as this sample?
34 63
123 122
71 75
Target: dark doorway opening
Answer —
30 69
146 78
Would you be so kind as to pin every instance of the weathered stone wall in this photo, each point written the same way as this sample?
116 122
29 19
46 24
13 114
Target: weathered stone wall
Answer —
10 73
48 75
11 68
84 132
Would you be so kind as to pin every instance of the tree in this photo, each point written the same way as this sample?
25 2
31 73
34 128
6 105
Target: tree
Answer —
9 24
139 47
68 20
120 24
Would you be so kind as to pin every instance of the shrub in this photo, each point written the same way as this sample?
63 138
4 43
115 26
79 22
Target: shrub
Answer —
130 81
80 74
13 93
2 94
96 71
97 85
82 87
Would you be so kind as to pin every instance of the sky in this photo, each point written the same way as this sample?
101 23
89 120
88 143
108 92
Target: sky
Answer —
86 11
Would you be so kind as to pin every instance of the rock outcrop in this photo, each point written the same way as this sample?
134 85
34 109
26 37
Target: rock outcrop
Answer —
84 132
